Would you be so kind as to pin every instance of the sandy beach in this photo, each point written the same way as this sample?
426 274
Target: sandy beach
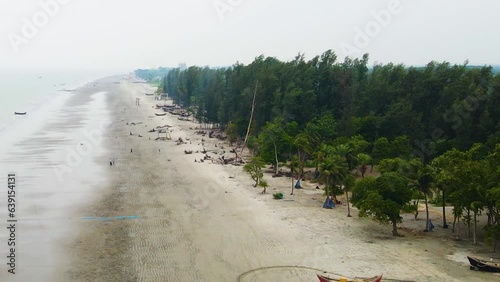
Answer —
159 214
171 218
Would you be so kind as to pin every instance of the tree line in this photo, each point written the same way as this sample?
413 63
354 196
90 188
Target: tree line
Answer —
433 132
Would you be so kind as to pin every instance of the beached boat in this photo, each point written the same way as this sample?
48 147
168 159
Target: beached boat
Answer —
20 114
484 265
150 94
188 152
160 114
342 279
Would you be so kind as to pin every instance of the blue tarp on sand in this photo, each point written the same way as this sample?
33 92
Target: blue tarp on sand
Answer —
329 204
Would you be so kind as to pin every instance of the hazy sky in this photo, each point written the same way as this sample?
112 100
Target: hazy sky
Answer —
127 34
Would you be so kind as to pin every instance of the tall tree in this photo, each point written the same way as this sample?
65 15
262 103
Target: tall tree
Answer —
273 142
382 198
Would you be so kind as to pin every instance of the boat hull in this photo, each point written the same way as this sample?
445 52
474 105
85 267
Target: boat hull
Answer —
328 279
483 265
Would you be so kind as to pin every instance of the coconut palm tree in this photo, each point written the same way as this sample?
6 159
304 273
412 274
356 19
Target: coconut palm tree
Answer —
294 166
347 154
422 177
334 169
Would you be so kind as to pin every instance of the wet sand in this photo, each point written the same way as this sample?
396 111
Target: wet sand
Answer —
205 222
160 216
49 198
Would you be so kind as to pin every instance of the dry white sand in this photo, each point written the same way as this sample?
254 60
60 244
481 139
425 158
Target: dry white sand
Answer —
206 222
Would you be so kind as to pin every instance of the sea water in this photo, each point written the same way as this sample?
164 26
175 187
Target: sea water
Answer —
29 91
35 147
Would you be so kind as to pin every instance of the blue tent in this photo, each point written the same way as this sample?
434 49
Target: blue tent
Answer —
329 204
431 226
297 185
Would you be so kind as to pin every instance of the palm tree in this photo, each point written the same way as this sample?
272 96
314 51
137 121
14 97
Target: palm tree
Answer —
294 166
347 153
422 178
334 169
349 182
350 160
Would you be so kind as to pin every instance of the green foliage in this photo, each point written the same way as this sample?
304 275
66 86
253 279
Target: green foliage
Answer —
401 146
253 143
363 160
151 75
358 144
381 149
492 235
334 169
390 165
263 183
334 115
382 198
446 104
254 168
231 133
274 141
349 182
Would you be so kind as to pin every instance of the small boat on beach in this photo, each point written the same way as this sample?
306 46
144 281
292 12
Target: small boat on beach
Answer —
343 279
484 265
20 114
150 94
160 114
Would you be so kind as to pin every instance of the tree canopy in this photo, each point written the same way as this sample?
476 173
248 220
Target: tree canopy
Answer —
427 129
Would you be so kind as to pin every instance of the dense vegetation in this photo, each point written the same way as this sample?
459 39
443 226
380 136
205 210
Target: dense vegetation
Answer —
433 132
153 76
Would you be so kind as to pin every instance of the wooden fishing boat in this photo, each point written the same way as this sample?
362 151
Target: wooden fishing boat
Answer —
160 114
484 265
188 152
342 279
20 114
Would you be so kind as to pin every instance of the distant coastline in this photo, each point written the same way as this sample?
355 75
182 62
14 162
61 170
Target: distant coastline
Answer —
31 91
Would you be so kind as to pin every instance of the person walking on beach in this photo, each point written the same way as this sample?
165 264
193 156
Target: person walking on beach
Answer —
130 150
110 162
113 161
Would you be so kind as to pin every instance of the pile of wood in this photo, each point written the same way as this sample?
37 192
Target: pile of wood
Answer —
201 132
180 141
